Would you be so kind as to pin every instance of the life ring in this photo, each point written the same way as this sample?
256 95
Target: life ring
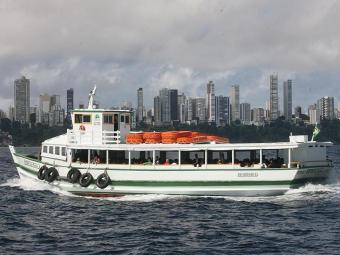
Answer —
51 174
41 172
103 180
85 179
73 175
82 128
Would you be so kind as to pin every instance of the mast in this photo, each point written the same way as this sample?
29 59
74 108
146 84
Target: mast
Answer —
91 97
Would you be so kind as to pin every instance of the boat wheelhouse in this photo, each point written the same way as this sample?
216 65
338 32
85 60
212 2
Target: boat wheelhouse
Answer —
93 159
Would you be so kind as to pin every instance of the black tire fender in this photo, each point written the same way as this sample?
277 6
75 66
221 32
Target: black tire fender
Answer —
41 172
73 175
103 180
85 179
51 174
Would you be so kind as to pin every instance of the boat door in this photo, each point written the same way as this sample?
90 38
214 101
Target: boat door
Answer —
115 122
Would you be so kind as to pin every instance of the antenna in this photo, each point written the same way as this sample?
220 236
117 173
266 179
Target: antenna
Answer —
91 97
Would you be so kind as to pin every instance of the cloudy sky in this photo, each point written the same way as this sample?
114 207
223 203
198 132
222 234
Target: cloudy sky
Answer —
123 45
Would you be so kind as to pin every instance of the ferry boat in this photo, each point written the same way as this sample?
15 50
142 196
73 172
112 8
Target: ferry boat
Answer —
101 157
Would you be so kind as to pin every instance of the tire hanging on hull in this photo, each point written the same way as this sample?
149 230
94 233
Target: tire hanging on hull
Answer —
73 175
51 174
41 172
85 180
103 180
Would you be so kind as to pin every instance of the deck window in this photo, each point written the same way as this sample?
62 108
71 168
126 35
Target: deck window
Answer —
122 118
98 157
44 149
80 156
108 119
127 119
50 150
193 157
63 151
219 157
78 118
57 150
118 157
86 118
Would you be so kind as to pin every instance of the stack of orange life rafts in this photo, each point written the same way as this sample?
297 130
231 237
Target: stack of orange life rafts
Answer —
169 137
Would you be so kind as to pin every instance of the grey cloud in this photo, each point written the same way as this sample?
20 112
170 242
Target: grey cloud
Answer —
123 45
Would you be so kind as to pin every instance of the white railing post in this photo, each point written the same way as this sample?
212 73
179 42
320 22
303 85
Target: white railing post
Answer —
261 157
233 157
289 157
205 158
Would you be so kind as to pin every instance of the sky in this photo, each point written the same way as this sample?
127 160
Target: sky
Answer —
183 44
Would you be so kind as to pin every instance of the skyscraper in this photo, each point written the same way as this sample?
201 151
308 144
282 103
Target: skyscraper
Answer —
222 111
200 110
157 110
69 101
164 105
274 97
140 106
182 108
210 101
235 102
173 100
245 115
326 108
314 114
22 100
44 108
287 99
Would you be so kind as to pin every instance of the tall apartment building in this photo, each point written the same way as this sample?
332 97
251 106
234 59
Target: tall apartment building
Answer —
274 97
182 108
140 105
165 105
69 102
157 110
210 101
173 104
235 102
245 113
326 108
258 115
200 110
314 114
22 100
222 111
287 99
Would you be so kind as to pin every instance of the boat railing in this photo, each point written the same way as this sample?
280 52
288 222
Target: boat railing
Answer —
82 137
111 137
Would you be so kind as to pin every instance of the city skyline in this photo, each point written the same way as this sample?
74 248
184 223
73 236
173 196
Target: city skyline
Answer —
178 51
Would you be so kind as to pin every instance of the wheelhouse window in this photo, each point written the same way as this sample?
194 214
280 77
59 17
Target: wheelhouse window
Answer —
108 119
86 118
57 150
127 119
63 151
44 149
78 118
122 118
50 150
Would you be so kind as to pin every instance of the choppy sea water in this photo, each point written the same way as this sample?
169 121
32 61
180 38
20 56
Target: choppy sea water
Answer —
35 219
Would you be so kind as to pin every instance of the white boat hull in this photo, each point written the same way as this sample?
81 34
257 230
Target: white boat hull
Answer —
199 182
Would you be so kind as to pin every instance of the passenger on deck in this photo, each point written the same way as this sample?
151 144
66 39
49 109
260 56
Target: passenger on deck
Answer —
197 162
167 162
157 160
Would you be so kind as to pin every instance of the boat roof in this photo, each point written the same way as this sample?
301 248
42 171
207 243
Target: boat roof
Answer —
62 141
102 110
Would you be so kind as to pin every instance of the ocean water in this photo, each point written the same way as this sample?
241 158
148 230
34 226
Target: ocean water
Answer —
35 219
